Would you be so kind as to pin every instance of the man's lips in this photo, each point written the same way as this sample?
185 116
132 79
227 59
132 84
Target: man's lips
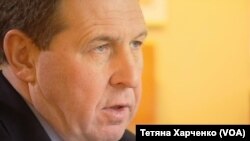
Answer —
117 113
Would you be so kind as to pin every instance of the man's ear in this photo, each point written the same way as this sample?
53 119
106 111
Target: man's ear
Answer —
21 54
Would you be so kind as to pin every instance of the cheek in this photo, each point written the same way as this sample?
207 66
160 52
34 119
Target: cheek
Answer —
138 94
70 86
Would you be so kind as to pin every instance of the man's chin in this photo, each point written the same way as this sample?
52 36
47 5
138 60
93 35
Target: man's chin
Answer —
112 133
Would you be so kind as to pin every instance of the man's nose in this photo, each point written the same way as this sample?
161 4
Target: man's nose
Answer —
127 70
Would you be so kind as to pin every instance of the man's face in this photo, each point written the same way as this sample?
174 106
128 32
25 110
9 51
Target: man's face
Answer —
88 84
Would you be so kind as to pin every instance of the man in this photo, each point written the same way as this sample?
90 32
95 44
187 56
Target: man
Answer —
70 69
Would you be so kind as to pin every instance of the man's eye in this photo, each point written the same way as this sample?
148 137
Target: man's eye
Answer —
102 48
136 44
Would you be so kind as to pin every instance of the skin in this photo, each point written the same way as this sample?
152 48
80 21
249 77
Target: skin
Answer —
87 86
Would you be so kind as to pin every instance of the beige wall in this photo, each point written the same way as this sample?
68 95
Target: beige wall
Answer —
202 62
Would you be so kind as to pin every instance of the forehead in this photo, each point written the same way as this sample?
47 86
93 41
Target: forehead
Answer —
94 12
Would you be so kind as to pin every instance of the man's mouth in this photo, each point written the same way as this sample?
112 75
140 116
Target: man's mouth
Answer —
117 113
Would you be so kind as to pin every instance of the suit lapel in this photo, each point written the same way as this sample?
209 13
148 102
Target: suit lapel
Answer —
17 121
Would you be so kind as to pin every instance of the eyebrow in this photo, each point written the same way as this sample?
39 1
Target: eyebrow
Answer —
142 34
109 38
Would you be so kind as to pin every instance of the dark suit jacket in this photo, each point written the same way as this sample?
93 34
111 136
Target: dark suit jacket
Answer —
17 121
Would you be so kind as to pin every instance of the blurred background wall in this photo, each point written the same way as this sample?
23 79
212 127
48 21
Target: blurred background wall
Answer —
197 64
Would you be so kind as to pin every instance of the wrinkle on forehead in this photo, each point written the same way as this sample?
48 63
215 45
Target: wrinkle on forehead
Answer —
100 9
88 13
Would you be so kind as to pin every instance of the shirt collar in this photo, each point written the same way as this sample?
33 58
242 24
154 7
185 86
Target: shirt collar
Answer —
49 130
